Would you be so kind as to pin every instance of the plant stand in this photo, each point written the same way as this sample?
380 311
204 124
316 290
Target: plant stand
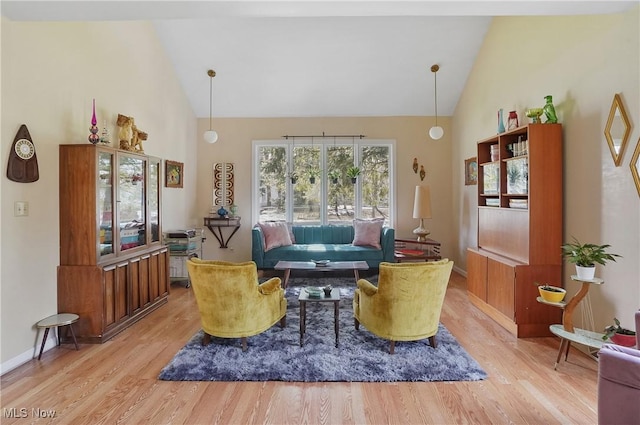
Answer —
566 331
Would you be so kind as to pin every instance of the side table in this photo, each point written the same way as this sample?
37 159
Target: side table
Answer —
407 249
566 331
216 224
304 298
55 321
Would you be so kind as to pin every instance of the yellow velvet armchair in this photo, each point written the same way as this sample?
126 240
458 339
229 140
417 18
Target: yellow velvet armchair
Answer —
406 304
231 302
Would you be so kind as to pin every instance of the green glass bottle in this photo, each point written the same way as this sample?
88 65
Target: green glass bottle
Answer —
550 110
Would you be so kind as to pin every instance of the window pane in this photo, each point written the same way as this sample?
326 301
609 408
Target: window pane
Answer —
306 195
272 183
340 195
375 182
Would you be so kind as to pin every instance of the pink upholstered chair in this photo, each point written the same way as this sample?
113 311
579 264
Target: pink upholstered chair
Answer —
619 383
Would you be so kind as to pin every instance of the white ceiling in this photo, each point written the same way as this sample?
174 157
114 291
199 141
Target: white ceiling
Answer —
315 58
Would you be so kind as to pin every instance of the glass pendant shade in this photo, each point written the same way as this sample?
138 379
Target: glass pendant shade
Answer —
210 136
436 132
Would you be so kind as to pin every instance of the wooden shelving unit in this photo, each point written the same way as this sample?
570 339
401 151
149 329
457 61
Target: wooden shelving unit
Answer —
519 228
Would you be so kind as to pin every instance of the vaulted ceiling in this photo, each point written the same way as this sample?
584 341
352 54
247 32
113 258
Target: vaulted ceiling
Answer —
315 58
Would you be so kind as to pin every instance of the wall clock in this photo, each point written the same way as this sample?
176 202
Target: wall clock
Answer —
23 162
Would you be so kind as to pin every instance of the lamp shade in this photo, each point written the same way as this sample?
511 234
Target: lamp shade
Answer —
422 202
210 136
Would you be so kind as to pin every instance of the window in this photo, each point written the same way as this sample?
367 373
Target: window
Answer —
305 181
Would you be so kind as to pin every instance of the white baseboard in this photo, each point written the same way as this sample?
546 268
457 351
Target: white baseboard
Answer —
460 271
28 355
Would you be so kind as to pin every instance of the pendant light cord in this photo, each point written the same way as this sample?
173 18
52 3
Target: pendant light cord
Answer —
435 69
210 99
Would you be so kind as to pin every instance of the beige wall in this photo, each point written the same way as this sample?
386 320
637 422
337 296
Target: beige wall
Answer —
582 62
50 73
412 140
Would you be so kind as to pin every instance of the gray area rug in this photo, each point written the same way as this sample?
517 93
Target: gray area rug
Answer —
276 355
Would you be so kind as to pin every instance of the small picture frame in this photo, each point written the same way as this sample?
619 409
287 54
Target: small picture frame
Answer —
174 173
471 171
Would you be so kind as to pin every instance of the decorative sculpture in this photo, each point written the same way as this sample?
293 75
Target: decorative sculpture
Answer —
130 136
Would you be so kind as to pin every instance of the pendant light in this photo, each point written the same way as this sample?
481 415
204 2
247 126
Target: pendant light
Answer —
210 136
436 132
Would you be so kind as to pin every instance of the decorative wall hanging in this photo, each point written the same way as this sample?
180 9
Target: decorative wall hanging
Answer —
223 185
422 172
415 165
174 173
23 162
617 130
635 166
471 171
129 135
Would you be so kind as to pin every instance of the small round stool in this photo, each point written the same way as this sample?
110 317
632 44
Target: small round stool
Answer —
55 321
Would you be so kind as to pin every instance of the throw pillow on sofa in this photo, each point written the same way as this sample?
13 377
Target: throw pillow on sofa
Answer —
367 232
275 234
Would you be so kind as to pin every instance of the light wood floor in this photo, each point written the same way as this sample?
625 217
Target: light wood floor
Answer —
115 382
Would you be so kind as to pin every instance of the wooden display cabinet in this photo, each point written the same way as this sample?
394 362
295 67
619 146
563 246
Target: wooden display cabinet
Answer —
519 227
113 267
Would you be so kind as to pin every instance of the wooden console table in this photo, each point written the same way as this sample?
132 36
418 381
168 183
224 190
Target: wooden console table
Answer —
216 224
566 331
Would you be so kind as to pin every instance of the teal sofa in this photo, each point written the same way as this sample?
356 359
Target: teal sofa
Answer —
322 243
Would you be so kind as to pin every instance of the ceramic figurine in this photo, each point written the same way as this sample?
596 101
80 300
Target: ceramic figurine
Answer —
222 212
550 110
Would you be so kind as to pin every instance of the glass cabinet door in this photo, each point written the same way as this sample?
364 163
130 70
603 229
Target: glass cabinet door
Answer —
105 203
131 201
154 198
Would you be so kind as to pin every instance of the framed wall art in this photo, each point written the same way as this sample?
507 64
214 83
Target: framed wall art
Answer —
471 171
174 173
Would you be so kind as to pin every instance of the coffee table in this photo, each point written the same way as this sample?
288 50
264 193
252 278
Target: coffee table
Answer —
332 266
304 298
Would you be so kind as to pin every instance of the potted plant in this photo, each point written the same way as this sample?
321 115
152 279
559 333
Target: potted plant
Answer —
294 177
619 335
334 176
552 294
353 173
585 256
313 174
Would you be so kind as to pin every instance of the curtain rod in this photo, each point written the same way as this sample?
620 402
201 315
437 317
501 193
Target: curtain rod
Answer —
351 136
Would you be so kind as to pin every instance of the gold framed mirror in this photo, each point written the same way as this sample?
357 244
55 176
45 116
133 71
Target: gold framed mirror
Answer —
617 129
635 166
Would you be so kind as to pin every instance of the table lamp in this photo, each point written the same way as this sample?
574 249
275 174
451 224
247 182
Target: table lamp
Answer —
422 210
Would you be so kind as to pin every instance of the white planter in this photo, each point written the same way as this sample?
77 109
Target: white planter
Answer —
585 273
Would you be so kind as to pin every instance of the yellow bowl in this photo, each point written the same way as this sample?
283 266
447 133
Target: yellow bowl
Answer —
533 112
552 296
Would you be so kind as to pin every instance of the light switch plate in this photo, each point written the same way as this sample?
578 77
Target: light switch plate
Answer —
21 209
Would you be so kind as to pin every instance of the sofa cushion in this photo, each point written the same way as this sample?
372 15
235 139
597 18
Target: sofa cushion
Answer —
332 252
276 234
367 232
